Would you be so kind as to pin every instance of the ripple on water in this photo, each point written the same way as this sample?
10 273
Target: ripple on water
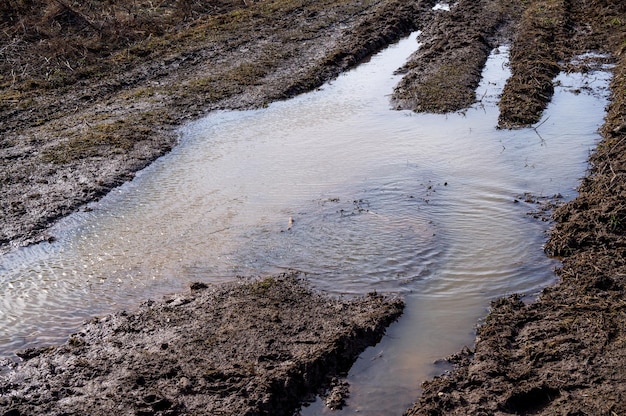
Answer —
375 240
381 200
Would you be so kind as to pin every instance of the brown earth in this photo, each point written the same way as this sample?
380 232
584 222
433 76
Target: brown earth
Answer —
91 91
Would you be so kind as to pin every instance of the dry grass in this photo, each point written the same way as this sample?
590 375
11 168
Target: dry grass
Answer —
54 43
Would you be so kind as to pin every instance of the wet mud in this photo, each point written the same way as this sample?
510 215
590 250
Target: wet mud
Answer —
81 119
442 76
249 348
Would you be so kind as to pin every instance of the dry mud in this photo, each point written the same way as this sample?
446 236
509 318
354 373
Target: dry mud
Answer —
70 133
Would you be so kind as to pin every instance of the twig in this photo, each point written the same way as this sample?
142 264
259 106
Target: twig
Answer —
539 125
613 172
483 97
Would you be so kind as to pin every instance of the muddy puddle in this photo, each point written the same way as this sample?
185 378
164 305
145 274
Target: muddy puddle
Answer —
336 184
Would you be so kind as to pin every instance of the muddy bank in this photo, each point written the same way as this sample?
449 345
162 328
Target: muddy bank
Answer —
565 353
89 96
254 348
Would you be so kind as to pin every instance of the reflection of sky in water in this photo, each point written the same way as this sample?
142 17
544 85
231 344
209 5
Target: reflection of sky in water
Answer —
493 247
442 6
381 200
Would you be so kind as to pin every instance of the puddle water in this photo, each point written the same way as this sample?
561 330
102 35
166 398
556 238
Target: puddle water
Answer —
337 185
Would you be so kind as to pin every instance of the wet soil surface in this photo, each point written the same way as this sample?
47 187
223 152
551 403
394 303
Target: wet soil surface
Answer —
85 103
443 74
242 349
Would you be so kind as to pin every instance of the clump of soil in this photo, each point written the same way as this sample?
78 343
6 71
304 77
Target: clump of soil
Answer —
254 348
534 58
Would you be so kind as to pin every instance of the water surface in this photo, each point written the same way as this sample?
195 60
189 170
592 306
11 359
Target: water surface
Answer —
431 207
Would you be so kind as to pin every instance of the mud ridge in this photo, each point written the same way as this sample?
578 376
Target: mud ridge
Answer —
442 76
534 61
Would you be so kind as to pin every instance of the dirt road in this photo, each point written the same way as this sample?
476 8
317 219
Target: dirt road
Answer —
92 92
